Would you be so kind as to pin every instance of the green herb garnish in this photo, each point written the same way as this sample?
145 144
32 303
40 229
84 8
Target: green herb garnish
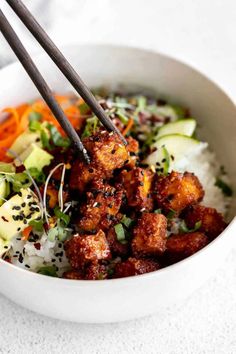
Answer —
37 175
50 271
158 211
57 138
19 181
183 227
90 127
226 189
62 216
37 225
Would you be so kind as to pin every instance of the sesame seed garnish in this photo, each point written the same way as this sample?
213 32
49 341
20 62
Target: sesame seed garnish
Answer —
143 209
27 266
23 205
18 229
29 196
20 258
5 247
4 219
95 204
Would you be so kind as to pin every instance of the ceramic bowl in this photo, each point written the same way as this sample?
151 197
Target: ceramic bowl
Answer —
127 298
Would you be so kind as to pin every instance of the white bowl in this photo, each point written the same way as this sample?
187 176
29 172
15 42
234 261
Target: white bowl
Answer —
128 298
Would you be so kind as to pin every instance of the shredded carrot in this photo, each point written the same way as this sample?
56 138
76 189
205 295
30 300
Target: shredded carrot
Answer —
128 127
18 119
26 232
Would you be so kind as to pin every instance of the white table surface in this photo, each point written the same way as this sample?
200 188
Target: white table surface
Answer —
202 33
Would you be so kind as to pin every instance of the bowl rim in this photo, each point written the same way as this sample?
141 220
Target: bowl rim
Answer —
107 282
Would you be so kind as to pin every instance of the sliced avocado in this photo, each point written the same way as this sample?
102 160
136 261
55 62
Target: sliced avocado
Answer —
182 126
177 146
23 141
35 157
4 189
17 212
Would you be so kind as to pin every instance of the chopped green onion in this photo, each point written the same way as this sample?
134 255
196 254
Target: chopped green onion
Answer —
37 225
34 116
170 214
57 138
45 140
226 189
120 233
126 221
52 234
122 116
50 271
185 229
62 216
158 211
34 126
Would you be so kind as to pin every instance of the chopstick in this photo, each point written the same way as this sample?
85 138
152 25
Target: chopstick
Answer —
40 83
49 46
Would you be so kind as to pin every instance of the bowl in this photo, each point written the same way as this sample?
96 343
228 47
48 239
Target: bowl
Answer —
127 298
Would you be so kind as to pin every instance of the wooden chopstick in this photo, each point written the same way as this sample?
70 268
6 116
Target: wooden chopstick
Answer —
40 83
49 46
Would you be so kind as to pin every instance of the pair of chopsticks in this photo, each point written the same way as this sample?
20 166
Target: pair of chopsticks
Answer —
41 36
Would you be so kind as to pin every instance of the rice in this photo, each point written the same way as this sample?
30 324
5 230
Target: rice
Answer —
37 254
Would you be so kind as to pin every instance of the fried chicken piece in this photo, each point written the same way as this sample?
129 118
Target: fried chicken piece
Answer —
133 266
96 271
177 191
212 222
149 235
73 274
138 186
81 250
101 208
117 248
182 246
106 151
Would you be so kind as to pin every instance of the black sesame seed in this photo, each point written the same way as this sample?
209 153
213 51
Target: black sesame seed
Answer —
158 163
20 194
172 157
53 260
59 245
23 205
18 229
29 196
20 258
25 221
27 266
163 160
4 219
5 247
16 207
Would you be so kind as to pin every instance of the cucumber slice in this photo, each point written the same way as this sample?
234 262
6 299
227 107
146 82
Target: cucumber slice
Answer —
177 146
182 126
